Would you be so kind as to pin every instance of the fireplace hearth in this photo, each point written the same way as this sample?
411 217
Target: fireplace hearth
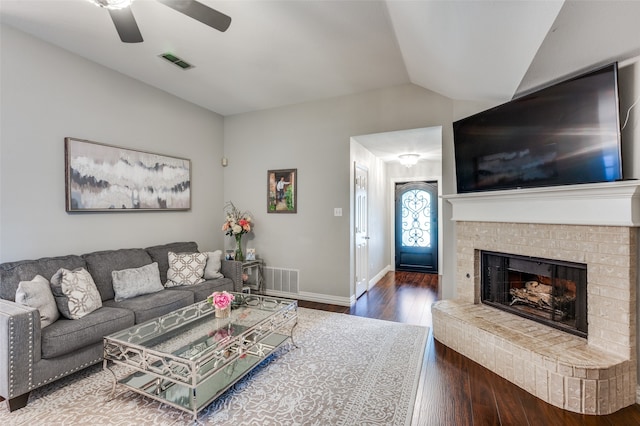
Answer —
592 375
544 290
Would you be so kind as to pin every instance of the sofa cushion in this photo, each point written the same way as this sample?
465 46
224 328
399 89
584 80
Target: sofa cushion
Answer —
203 290
160 254
129 283
75 293
37 294
185 268
65 336
11 273
153 305
101 263
214 262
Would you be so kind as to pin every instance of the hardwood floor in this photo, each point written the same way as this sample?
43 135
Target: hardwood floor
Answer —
453 390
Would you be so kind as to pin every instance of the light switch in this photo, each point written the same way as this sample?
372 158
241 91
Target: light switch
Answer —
337 211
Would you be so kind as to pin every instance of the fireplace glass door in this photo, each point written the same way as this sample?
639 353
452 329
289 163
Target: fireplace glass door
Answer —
548 291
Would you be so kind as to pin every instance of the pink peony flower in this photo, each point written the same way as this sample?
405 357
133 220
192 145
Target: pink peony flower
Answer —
220 299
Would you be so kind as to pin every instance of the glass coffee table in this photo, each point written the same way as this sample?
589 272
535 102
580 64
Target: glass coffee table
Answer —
189 357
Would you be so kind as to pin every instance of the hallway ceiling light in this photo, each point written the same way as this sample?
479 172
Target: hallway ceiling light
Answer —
408 160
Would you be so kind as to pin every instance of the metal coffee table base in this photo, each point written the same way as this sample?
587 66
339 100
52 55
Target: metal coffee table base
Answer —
187 359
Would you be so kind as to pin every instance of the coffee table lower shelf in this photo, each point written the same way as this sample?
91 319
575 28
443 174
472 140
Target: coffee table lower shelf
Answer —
194 399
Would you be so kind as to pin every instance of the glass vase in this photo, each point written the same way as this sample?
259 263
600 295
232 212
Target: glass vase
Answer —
239 255
223 313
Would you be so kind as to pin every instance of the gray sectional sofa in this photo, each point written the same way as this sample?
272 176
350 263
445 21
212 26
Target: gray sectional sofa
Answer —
32 355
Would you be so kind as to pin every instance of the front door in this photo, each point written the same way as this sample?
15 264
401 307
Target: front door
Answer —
416 221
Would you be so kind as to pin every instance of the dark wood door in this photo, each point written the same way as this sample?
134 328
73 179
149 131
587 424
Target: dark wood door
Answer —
416 238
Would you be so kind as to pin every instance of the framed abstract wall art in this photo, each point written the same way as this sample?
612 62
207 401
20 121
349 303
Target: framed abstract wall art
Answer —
282 194
102 177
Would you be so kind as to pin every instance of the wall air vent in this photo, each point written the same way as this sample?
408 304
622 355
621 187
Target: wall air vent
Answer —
176 61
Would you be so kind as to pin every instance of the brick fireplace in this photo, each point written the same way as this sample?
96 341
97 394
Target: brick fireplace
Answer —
592 225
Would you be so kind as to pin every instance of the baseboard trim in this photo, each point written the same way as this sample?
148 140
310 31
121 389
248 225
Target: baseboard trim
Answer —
325 298
373 281
312 297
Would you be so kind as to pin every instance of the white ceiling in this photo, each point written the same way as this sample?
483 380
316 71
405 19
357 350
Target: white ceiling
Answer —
281 52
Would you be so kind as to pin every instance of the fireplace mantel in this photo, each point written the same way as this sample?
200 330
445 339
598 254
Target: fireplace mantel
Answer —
604 204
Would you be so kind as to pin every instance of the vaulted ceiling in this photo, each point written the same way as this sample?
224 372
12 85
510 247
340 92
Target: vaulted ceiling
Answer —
281 52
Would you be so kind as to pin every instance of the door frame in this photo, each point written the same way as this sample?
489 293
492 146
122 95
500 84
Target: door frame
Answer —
392 215
430 251
363 168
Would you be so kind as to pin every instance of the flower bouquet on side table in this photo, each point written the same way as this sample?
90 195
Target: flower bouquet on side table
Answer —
221 301
236 225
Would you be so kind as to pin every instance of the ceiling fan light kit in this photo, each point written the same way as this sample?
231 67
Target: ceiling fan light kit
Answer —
125 22
112 4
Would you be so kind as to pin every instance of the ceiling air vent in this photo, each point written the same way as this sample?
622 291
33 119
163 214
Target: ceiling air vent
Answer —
176 61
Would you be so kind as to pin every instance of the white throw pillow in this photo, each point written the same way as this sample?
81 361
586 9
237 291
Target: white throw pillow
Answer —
37 294
75 292
133 282
185 268
214 263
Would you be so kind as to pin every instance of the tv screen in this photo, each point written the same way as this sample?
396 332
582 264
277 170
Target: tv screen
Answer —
564 134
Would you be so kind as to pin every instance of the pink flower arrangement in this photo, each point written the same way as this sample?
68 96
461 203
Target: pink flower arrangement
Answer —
220 299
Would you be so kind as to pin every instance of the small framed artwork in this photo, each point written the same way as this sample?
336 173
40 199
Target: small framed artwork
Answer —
251 254
282 194
229 255
103 177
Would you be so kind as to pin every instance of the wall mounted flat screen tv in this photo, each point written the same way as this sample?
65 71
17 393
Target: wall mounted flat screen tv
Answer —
568 133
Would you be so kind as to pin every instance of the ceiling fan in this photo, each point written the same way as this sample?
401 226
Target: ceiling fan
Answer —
127 27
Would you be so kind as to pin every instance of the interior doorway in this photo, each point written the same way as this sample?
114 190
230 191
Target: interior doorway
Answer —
416 226
380 154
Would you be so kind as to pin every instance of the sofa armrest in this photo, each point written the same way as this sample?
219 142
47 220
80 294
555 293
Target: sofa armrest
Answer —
20 332
233 269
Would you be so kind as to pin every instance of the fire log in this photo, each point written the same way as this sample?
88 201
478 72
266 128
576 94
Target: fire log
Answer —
538 295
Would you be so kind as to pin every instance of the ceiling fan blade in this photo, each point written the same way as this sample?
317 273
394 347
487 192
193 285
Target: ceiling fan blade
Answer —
126 25
200 12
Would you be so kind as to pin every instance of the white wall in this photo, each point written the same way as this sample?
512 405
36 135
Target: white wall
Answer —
315 139
463 109
48 94
629 90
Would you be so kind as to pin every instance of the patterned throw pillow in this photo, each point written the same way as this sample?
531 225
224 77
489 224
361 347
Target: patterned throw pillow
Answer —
185 268
37 294
212 270
75 292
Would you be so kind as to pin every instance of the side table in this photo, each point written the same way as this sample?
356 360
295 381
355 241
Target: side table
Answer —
253 268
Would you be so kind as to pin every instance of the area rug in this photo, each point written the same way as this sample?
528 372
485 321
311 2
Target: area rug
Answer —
346 370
